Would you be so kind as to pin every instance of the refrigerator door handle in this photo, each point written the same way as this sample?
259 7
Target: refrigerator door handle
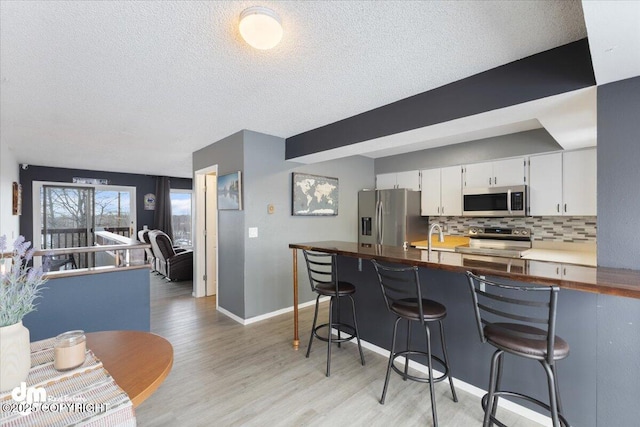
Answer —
379 221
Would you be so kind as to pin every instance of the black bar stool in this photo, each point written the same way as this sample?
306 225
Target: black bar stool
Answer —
402 293
323 276
520 320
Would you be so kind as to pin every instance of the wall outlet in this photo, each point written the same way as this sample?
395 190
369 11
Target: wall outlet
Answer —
253 232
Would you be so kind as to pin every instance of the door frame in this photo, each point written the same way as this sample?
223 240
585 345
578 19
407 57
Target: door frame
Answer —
199 221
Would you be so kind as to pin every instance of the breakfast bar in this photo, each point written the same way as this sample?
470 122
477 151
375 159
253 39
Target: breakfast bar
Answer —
598 315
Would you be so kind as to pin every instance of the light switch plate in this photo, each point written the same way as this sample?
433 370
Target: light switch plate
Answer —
253 232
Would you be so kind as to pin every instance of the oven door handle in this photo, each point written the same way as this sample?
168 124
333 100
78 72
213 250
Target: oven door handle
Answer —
509 201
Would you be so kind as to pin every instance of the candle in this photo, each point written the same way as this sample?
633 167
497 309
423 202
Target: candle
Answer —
69 350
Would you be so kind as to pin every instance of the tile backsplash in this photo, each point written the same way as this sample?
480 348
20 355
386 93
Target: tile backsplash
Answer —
576 229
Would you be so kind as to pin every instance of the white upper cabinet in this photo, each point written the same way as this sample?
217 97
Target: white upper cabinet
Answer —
563 183
498 173
451 186
409 180
385 181
545 184
430 196
478 175
442 191
579 179
509 172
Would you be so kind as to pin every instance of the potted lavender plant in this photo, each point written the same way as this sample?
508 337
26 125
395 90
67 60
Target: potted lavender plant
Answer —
20 285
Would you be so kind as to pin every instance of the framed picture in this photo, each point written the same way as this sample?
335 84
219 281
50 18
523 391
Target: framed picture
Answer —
149 202
313 195
17 198
230 191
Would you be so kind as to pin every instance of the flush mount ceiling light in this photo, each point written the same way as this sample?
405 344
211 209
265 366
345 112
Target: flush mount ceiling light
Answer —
260 27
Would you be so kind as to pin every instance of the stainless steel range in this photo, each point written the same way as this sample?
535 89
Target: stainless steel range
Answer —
497 241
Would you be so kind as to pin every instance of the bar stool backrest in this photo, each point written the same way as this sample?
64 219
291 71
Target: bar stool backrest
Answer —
322 269
497 303
400 285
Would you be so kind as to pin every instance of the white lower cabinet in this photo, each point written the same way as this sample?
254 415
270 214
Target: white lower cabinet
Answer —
545 269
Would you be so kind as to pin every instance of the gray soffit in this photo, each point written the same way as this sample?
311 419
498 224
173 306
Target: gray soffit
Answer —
561 70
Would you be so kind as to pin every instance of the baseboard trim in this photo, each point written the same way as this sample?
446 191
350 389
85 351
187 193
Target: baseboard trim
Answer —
230 315
267 315
469 388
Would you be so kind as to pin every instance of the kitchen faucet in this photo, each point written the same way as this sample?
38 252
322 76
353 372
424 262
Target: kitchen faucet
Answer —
431 230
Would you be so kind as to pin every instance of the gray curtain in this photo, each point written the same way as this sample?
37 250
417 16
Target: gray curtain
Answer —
162 215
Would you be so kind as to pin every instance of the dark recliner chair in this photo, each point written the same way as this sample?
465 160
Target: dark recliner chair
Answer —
143 236
174 264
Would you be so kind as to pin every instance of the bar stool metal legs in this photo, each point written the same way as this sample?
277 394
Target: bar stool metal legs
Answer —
401 291
520 320
352 331
323 277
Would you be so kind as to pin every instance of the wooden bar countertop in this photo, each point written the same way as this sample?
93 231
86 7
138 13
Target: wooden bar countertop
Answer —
601 280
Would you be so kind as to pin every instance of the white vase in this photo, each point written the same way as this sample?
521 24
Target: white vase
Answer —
15 356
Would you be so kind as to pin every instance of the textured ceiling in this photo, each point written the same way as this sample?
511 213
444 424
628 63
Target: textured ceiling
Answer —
138 86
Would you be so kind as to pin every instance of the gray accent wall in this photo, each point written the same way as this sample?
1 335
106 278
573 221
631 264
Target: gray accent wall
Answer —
255 274
268 281
228 154
619 173
516 144
618 213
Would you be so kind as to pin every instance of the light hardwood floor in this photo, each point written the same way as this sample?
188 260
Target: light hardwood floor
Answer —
226 374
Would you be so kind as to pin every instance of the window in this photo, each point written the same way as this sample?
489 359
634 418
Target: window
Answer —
112 211
181 217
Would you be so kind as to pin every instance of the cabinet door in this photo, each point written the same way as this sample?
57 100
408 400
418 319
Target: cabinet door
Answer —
409 180
509 172
385 181
430 195
451 191
545 269
545 184
579 182
578 273
478 175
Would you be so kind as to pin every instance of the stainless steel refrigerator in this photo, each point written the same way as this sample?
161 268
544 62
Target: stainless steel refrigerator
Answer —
390 217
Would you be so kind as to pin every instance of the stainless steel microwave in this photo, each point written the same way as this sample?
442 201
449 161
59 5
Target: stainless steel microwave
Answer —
495 201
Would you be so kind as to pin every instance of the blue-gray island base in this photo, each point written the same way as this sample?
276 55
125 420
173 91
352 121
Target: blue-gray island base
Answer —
603 330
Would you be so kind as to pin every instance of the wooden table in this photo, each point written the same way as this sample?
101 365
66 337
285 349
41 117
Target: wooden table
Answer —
138 361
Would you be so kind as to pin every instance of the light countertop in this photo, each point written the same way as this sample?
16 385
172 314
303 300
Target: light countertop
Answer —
571 253
449 244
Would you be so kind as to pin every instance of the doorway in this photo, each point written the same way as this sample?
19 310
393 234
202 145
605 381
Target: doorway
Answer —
68 215
206 234
68 220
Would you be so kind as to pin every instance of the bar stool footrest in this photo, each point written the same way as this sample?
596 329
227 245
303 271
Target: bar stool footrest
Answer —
351 332
400 372
540 403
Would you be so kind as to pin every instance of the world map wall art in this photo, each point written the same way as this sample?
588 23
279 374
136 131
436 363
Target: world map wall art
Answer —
314 195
